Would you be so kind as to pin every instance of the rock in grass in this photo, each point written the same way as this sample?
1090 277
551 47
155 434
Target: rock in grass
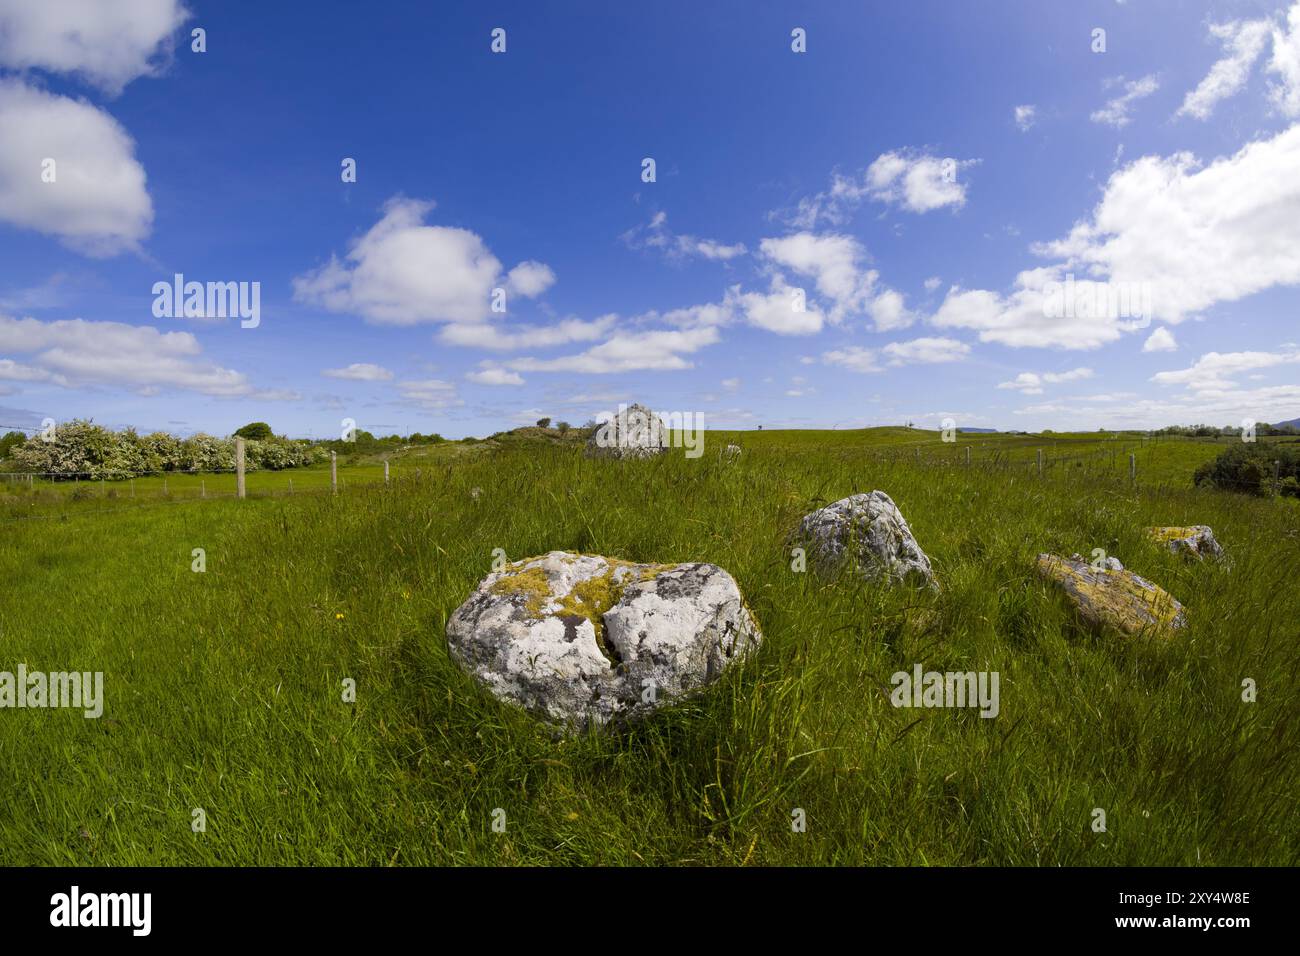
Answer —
583 640
1107 563
731 451
635 432
1195 541
1117 599
869 532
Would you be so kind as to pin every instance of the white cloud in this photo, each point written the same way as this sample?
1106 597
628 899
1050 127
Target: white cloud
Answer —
494 375
1161 340
731 384
75 353
432 394
659 350
498 338
916 181
1031 383
854 358
933 283
1242 41
403 272
1187 236
1116 111
658 236
1213 372
530 279
925 351
108 42
360 372
1285 64
775 310
1025 116
16 372
97 203
835 264
1197 235
832 261
911 179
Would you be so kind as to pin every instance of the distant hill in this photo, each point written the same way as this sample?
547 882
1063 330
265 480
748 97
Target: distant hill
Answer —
1294 423
982 431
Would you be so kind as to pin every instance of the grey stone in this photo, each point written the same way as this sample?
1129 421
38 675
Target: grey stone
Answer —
1193 541
585 640
869 531
635 432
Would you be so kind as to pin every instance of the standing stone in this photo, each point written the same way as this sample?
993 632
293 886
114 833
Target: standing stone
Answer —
869 531
635 432
1117 599
583 640
1193 541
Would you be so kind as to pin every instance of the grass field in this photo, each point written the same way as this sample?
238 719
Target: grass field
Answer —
223 689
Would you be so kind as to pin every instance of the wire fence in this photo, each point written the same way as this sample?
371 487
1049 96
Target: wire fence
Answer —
44 492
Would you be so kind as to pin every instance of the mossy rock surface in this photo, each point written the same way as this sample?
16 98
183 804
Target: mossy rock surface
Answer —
586 640
1193 541
1108 598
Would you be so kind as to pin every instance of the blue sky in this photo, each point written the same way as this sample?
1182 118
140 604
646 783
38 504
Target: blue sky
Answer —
927 174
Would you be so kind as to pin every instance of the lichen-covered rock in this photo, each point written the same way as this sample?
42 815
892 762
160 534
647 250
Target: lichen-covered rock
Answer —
1118 599
583 640
635 432
1107 562
1194 541
869 531
731 451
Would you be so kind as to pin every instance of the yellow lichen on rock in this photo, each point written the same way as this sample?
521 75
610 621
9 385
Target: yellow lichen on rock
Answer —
588 598
531 582
1118 599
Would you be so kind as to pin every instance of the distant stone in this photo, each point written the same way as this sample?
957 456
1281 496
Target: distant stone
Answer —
1107 563
868 532
1113 598
1195 541
584 640
635 432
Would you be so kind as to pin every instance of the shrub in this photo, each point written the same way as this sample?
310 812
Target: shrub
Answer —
1248 468
84 449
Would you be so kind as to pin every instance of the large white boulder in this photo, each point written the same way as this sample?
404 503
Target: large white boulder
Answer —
635 432
868 532
583 640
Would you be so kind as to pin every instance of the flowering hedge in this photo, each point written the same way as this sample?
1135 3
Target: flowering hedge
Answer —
87 450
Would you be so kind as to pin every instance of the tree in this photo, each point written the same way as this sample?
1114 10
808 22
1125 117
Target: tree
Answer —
562 427
543 423
257 431
9 441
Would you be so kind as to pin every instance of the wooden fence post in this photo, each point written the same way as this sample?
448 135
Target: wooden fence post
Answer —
203 488
1132 467
968 455
1277 474
239 467
385 471
334 473
1040 463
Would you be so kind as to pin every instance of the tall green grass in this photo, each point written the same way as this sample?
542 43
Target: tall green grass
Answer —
224 689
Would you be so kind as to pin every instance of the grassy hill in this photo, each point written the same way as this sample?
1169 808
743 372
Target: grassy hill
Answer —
224 688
